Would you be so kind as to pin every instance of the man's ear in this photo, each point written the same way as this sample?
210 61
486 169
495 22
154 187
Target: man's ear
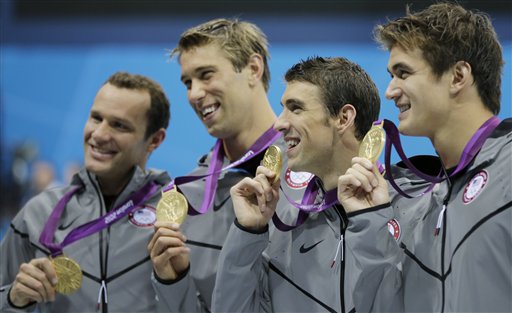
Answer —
256 68
346 118
156 139
462 76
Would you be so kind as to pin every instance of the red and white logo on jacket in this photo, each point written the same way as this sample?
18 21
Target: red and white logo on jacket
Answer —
297 180
394 228
144 216
475 187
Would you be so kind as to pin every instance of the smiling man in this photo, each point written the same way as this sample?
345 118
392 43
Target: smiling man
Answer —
328 106
225 72
454 253
102 222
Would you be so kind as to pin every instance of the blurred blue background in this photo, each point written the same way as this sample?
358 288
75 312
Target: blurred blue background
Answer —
54 56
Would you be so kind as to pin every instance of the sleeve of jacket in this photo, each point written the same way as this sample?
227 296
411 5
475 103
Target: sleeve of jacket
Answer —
241 275
15 249
177 296
376 278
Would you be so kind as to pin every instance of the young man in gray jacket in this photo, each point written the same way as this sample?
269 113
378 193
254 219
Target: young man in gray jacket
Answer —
454 250
328 106
224 67
102 222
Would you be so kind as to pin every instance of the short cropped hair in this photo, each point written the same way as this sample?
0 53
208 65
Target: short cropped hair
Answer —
341 82
158 114
238 39
447 33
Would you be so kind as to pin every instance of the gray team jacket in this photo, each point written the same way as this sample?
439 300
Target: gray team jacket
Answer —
276 271
116 257
206 233
467 267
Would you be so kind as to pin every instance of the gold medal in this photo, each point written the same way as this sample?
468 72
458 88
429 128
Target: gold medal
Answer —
172 207
373 143
69 275
273 160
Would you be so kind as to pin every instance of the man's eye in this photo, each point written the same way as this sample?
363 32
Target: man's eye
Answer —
120 126
206 74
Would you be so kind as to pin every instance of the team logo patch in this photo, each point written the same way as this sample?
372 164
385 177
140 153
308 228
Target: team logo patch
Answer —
144 216
394 228
475 187
297 180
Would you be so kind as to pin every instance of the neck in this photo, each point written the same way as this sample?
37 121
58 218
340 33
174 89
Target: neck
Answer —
340 161
113 186
263 118
451 141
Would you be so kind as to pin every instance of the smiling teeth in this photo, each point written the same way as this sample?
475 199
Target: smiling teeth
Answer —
292 143
404 108
208 110
101 151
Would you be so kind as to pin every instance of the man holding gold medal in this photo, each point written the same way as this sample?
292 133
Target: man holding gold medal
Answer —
328 106
225 71
82 248
452 237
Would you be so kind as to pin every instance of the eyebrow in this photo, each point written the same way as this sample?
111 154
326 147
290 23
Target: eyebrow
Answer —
398 66
197 70
113 118
293 101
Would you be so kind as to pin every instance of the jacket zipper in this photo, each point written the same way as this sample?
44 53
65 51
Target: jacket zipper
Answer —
103 289
342 262
443 242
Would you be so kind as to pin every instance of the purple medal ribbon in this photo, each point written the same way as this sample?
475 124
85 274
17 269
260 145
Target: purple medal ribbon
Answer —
215 168
47 236
470 150
307 204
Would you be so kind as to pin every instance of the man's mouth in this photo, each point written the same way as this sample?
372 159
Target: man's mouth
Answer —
101 152
207 110
403 107
291 142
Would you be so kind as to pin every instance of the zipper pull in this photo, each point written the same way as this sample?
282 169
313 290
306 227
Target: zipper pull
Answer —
103 290
338 250
440 221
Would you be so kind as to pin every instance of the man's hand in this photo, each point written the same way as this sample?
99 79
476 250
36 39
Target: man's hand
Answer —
35 282
255 199
168 252
362 186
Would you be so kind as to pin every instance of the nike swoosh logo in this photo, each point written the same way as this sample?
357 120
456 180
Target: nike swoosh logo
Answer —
217 207
303 249
64 227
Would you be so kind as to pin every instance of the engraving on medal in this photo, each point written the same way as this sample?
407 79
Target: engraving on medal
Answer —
273 160
172 207
69 275
373 143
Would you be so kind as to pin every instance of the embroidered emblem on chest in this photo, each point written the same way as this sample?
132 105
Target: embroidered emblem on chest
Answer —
475 187
144 216
394 229
297 180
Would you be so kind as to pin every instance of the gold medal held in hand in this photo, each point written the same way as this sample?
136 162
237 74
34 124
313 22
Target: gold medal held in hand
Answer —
172 207
69 275
373 143
273 160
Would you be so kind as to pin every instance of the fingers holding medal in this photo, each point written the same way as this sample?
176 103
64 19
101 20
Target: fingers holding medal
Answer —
172 207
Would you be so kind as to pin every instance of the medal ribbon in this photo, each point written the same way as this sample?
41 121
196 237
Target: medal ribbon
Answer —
215 168
46 238
470 150
307 204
